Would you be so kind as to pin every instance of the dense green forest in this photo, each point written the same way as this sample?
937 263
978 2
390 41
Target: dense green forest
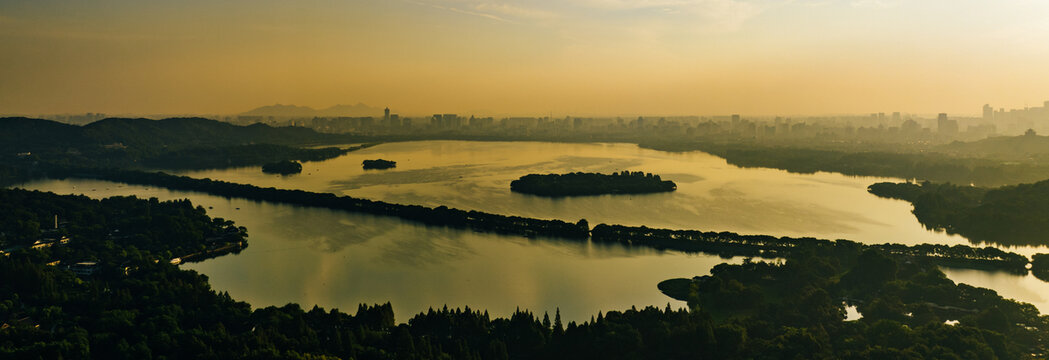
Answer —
574 184
129 226
905 308
1009 215
793 310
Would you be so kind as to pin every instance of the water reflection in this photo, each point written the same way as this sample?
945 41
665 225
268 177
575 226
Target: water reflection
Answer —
339 259
1025 288
712 195
316 256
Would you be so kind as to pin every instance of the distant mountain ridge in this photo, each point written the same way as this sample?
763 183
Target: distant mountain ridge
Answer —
358 110
36 135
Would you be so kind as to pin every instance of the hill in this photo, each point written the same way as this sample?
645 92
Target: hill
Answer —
132 142
24 134
1010 148
21 135
182 132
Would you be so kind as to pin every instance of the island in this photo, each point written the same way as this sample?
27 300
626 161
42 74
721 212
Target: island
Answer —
379 164
579 183
282 167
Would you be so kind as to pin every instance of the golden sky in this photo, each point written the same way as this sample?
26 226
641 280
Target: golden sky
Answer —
560 57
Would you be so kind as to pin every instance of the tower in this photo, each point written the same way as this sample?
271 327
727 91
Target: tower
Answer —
386 115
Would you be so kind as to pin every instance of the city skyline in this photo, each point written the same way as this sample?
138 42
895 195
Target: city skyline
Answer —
986 112
583 58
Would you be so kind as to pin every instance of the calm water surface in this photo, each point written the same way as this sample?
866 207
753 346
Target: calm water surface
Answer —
712 195
338 259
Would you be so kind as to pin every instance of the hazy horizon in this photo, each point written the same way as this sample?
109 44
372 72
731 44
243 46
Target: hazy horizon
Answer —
534 114
580 57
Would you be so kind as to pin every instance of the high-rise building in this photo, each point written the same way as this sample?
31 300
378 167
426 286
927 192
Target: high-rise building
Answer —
386 116
946 126
988 112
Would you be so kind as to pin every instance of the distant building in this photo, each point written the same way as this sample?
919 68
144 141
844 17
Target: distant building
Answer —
988 112
910 126
84 268
946 126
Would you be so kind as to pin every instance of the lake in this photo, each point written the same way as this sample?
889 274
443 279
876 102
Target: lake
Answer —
338 259
712 195
316 256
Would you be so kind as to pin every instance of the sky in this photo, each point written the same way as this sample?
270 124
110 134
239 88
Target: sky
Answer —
537 57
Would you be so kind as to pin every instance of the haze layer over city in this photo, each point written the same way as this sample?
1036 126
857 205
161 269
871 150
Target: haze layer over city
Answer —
474 179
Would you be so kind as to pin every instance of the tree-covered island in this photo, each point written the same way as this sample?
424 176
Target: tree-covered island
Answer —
579 183
379 164
282 167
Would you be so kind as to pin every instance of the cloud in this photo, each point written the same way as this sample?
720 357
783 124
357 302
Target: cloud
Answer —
720 15
880 4
458 9
817 3
704 15
515 11
711 15
502 11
